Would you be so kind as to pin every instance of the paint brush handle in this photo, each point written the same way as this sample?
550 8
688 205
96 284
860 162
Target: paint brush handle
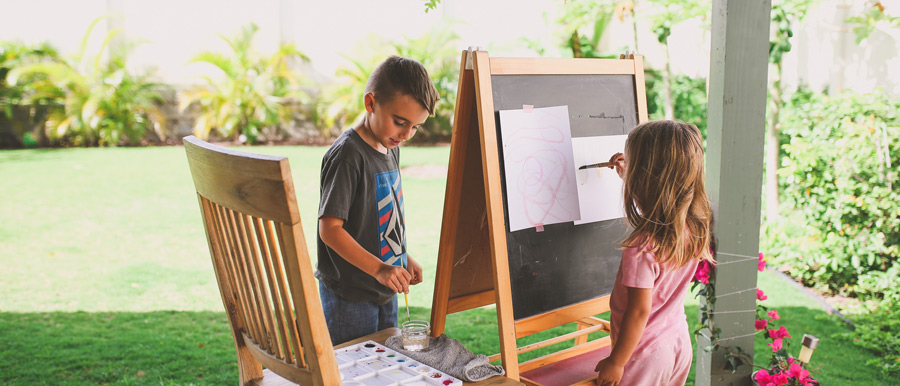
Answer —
405 297
598 165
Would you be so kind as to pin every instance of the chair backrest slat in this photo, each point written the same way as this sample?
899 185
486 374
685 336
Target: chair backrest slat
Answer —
280 350
254 279
228 256
289 320
261 280
244 275
262 266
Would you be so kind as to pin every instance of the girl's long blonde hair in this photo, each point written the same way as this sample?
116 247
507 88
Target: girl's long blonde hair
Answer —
665 195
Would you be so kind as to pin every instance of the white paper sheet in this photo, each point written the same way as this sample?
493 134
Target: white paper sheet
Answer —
538 165
599 189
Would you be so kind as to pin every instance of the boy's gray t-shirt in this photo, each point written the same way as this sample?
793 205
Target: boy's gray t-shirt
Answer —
361 186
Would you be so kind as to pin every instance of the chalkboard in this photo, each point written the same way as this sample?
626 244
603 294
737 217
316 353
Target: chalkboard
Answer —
537 280
565 263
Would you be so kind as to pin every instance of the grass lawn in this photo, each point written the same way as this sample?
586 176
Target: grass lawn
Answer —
105 275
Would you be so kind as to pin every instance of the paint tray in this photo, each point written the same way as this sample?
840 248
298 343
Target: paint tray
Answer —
372 364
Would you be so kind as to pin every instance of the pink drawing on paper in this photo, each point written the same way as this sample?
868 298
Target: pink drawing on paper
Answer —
538 165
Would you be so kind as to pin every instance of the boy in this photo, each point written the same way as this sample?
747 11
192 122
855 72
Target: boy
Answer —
362 232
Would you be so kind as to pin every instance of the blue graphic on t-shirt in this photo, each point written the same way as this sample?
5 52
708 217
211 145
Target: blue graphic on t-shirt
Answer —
391 226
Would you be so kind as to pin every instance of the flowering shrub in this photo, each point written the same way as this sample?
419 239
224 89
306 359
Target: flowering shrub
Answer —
782 369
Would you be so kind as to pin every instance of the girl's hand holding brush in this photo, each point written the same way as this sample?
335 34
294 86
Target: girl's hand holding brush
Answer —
618 162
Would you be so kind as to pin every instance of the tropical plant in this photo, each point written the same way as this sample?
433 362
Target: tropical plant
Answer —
341 104
583 23
253 91
21 115
436 49
102 102
431 4
873 18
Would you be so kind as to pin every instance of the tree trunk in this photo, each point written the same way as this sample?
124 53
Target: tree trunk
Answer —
668 103
773 147
576 45
634 26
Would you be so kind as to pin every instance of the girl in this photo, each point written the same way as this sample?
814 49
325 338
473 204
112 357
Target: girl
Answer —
665 202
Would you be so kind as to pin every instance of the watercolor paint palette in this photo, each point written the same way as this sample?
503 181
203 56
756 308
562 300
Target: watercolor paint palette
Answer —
372 364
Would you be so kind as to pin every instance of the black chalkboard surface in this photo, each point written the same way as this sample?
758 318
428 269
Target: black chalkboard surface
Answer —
565 264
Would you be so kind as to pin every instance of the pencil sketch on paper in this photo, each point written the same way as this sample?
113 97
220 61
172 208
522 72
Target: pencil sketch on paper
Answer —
599 189
538 165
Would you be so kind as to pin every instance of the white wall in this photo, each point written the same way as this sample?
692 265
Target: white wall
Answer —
173 31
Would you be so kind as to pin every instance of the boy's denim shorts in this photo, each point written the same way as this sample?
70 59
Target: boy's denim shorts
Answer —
350 320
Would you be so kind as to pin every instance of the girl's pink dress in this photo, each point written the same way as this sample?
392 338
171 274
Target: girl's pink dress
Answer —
663 355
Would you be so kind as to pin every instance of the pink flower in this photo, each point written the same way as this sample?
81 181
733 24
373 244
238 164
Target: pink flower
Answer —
781 332
783 373
774 315
798 373
780 379
762 377
762 263
703 271
760 295
761 324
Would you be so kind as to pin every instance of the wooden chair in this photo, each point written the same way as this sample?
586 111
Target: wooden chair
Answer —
262 266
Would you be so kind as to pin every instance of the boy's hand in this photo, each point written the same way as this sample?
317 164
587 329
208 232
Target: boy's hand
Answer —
619 160
414 269
394 277
609 374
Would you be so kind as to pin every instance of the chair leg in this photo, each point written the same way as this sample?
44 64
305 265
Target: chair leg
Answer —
248 368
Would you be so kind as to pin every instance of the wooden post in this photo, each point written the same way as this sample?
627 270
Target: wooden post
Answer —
736 122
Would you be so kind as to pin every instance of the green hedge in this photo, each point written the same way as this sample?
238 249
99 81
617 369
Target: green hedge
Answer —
840 224
839 184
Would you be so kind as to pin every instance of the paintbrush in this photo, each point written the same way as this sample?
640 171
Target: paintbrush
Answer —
405 297
599 165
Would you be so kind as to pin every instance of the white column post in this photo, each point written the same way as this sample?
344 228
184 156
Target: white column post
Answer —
734 159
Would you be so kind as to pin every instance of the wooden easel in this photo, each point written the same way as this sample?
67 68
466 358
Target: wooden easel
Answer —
473 267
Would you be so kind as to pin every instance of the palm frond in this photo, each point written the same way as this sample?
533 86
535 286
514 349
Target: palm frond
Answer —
222 62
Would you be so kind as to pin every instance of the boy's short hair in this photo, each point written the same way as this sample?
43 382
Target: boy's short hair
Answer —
403 75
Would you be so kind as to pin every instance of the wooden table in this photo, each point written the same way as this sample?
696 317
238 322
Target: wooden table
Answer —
381 337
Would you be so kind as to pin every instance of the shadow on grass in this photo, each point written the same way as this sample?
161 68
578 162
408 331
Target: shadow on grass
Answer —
195 348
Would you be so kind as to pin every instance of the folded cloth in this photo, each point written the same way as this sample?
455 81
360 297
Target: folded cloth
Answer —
449 356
